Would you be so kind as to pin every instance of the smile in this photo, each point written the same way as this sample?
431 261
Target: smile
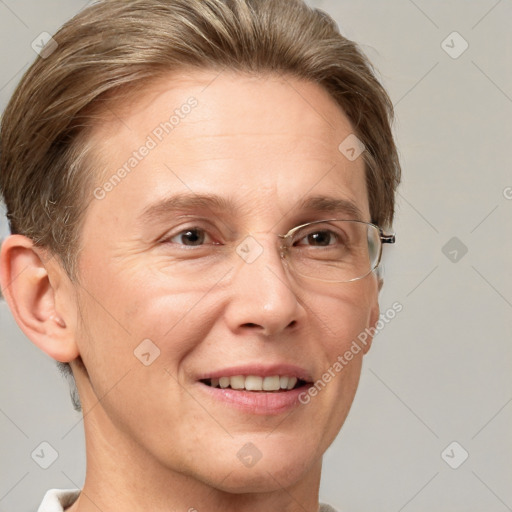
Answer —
255 383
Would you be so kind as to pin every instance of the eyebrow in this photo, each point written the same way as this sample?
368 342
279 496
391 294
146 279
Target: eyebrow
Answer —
186 201
190 201
326 204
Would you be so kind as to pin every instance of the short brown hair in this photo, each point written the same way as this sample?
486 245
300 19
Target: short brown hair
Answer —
115 45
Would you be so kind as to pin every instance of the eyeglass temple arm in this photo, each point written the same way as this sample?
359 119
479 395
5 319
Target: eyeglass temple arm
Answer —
387 239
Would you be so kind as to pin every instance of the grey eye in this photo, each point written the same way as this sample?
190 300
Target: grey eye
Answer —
190 237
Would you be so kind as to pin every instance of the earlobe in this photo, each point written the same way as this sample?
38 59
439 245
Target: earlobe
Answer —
31 296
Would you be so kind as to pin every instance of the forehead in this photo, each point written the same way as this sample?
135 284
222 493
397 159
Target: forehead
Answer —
255 138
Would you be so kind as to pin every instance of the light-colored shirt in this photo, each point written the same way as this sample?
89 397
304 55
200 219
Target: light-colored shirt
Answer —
57 500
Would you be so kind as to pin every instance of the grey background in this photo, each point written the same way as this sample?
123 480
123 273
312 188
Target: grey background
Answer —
441 370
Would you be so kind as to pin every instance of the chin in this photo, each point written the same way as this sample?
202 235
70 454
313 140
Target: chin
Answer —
266 478
279 466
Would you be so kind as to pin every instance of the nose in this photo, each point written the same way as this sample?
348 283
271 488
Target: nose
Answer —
263 297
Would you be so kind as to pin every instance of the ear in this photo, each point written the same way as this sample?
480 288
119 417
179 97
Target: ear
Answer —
31 283
374 316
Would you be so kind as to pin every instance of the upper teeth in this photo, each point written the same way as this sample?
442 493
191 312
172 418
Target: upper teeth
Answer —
255 383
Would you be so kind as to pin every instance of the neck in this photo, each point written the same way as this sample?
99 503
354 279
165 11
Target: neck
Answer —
122 475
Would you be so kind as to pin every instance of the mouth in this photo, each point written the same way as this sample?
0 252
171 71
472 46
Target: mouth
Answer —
257 389
256 383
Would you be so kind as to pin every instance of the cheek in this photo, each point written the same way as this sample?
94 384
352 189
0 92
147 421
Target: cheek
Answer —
138 311
342 317
345 312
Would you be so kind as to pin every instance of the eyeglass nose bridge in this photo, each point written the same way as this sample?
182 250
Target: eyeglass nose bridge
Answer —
251 248
283 246
284 251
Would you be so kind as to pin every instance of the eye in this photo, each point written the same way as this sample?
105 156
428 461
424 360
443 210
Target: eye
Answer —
190 237
319 238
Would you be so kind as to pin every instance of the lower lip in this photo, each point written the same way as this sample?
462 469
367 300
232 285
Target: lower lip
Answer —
257 402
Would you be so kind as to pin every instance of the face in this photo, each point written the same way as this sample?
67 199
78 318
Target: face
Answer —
172 302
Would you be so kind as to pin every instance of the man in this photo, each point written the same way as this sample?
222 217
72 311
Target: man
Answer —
197 192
